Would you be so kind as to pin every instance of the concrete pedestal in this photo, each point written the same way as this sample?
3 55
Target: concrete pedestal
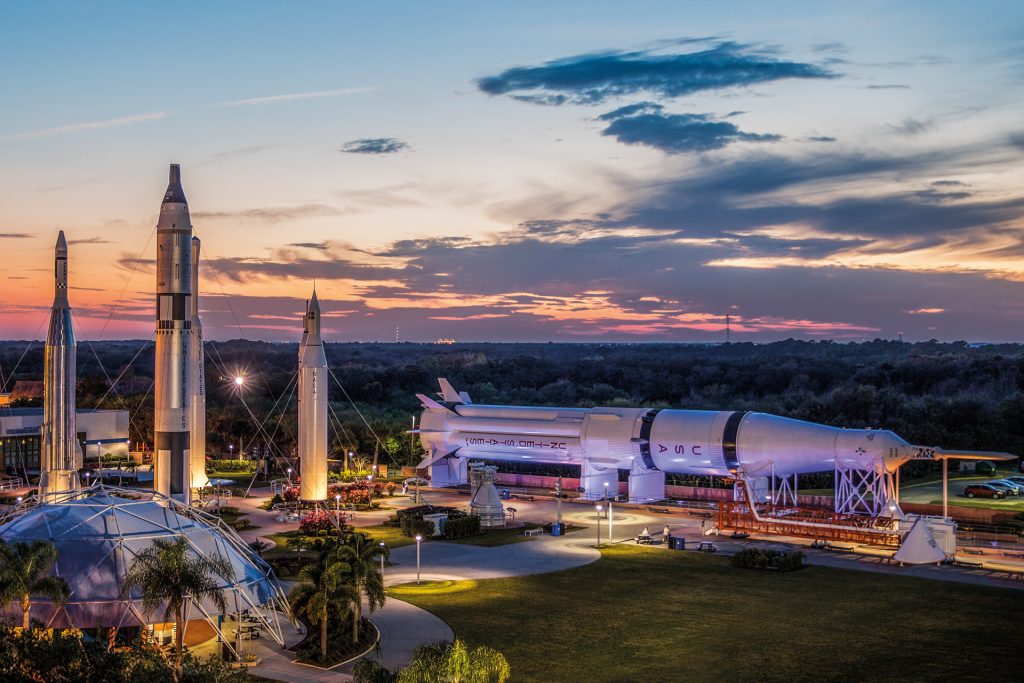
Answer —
645 485
449 471
593 479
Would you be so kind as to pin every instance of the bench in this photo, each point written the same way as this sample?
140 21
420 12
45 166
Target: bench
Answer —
967 563
660 511
533 532
971 551
707 547
644 540
518 496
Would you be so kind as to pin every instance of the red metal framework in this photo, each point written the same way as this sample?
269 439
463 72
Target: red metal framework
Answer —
806 523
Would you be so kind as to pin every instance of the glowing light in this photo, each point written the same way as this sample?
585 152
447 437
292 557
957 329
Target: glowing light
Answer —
239 381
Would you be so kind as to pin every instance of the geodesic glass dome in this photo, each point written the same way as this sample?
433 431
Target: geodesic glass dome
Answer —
98 531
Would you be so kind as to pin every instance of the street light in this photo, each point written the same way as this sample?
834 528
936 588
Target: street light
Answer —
418 539
598 508
382 548
337 508
611 522
289 476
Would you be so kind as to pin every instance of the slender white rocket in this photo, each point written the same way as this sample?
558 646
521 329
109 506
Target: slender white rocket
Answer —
61 453
313 408
171 393
197 383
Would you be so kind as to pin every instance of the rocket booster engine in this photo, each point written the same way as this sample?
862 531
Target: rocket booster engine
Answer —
701 442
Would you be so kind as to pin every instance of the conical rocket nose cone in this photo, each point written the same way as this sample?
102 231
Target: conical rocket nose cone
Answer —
62 245
175 194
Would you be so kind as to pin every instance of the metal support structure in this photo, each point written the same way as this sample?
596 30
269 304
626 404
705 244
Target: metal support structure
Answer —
945 487
864 491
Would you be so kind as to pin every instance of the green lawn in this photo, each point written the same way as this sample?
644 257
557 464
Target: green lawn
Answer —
391 535
642 614
1010 503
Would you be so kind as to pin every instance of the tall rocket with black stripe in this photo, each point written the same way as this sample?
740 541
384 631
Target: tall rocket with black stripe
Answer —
171 392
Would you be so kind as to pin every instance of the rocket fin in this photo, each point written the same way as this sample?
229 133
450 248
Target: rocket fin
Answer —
465 397
430 403
448 392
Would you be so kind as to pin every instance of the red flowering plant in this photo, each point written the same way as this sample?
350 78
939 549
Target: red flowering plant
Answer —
317 521
290 493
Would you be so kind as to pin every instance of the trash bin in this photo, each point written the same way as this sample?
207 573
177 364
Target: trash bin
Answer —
505 494
676 543
558 529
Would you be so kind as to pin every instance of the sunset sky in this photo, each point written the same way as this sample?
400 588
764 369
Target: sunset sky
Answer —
523 171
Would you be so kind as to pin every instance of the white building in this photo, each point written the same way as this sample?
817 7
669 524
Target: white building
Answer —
99 431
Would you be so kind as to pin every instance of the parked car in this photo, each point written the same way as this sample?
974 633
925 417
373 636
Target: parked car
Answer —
1017 487
983 491
1016 479
1008 489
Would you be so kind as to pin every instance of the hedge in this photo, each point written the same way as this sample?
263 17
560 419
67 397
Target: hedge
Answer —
231 466
461 527
763 558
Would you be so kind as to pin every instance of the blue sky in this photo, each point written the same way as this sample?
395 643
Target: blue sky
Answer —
525 171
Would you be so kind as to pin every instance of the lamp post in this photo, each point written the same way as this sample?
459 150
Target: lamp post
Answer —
598 508
382 547
611 522
289 476
337 509
231 451
418 539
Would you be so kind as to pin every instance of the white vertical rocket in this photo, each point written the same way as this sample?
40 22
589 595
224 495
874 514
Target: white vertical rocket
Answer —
61 453
197 383
312 387
171 393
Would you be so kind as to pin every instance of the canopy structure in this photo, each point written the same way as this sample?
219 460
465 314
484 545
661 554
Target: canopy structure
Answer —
99 530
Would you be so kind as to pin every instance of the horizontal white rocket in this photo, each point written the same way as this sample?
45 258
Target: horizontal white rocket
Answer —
700 442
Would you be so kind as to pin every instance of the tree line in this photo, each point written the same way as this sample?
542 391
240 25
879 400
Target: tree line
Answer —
932 393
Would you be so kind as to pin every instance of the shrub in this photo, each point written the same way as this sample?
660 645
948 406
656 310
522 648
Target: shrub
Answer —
461 527
291 494
411 526
391 488
764 558
232 465
316 521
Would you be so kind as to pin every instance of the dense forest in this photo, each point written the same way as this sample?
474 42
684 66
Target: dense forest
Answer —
941 394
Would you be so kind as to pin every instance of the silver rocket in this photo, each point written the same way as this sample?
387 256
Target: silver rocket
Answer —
61 453
171 394
313 408
197 383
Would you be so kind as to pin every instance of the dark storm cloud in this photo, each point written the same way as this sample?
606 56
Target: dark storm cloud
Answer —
648 125
374 146
596 77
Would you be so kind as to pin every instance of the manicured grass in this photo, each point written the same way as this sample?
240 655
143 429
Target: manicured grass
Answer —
1011 504
492 538
391 535
643 614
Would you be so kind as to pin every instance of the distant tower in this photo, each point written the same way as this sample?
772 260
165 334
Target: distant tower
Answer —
728 327
171 394
899 337
197 383
396 334
313 408
61 453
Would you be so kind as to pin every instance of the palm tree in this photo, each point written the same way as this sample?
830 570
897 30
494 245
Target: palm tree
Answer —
322 588
24 572
165 574
455 663
361 556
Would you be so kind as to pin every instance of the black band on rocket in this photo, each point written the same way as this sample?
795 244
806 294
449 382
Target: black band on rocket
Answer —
729 434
